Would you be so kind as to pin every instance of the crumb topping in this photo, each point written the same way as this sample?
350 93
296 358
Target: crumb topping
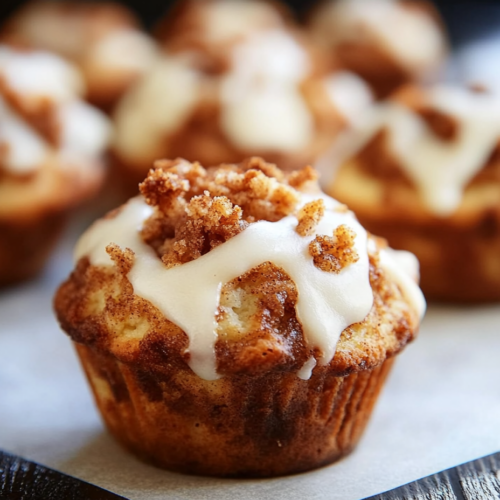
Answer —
208 223
309 216
123 259
197 209
300 179
332 254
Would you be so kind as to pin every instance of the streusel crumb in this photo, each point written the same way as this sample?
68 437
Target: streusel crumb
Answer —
197 209
309 217
332 254
208 223
122 258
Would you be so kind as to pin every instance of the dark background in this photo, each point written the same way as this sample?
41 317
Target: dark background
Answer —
465 20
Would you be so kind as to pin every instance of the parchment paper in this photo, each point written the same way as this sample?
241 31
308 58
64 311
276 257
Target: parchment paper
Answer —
441 407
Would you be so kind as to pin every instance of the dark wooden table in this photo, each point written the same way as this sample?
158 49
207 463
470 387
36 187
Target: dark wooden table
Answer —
24 480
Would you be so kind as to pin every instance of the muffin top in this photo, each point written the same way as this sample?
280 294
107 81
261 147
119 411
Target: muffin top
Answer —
47 134
103 38
270 95
238 269
211 28
438 140
406 31
70 29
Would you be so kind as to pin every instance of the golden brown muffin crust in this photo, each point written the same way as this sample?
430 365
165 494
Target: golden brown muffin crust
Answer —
258 331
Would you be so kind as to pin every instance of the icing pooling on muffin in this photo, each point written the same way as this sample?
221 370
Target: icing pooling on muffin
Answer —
409 35
40 75
84 129
262 106
306 371
154 107
26 151
270 118
270 55
403 267
350 95
189 294
44 81
441 168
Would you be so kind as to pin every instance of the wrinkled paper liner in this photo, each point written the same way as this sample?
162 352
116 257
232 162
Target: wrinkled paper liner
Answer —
238 426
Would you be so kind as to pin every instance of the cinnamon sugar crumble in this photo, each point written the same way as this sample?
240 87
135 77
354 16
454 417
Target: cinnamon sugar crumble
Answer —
333 254
122 258
209 222
197 209
299 179
309 217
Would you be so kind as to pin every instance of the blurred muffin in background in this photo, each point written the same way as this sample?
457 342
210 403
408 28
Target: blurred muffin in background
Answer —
425 174
211 28
103 39
265 92
50 144
386 42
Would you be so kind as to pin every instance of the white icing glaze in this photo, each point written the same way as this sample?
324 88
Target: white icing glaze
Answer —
350 95
270 55
440 169
188 295
227 20
402 267
306 371
126 50
262 106
85 129
155 106
272 118
40 74
26 151
412 37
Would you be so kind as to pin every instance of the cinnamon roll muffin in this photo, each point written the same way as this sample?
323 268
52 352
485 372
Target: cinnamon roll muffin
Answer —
211 28
50 143
425 174
103 39
386 42
266 93
235 320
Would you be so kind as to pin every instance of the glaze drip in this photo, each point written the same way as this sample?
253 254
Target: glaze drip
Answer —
188 295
